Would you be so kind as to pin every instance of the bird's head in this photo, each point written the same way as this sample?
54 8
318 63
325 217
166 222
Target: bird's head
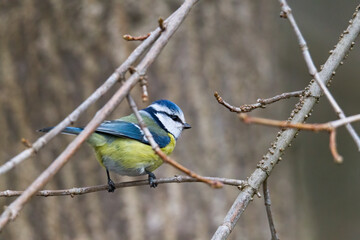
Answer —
168 116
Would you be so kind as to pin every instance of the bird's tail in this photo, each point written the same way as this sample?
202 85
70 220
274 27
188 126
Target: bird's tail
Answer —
67 130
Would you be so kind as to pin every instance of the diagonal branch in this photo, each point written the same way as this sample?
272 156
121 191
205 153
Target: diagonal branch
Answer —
287 13
11 212
284 138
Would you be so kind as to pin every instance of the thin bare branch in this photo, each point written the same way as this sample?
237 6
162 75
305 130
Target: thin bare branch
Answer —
260 102
287 13
161 154
84 190
284 138
143 84
286 124
344 121
267 201
328 127
332 144
11 212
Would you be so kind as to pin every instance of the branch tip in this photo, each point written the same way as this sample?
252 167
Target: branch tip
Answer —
26 143
216 184
337 157
128 37
161 24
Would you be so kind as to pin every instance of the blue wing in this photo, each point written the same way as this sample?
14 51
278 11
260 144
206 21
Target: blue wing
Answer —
131 130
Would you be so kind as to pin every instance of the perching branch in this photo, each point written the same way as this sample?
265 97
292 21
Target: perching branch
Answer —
173 22
161 154
267 202
284 138
84 190
260 102
287 13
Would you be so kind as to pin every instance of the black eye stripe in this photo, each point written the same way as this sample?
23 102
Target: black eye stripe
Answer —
173 117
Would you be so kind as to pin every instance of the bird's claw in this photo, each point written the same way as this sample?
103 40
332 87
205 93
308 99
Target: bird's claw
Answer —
151 178
111 185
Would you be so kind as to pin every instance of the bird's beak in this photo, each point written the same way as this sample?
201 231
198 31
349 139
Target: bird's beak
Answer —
186 126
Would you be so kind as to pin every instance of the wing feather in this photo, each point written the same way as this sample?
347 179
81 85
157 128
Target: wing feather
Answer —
131 130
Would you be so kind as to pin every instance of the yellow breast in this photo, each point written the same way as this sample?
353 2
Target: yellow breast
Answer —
130 157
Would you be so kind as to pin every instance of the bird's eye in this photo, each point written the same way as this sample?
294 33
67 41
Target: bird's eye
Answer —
175 118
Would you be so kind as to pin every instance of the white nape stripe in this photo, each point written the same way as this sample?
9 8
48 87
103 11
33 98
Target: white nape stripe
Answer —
161 108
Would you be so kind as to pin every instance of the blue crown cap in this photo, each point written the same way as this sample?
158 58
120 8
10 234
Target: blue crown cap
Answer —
170 105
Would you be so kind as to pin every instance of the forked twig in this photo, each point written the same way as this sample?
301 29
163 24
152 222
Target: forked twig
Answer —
284 138
287 13
329 127
260 102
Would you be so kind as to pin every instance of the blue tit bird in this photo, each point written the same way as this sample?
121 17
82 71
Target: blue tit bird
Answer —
122 147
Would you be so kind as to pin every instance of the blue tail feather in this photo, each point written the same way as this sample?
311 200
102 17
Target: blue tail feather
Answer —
68 130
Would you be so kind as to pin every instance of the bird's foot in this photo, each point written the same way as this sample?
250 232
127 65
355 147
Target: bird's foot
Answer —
111 185
151 178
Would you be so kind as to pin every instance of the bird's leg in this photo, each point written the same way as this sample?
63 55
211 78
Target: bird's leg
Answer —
110 182
151 179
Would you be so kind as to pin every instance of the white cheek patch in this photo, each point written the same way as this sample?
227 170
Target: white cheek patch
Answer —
171 126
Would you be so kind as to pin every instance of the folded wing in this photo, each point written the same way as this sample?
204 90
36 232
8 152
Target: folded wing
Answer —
131 130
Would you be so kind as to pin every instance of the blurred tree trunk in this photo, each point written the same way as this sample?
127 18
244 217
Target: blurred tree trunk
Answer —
53 54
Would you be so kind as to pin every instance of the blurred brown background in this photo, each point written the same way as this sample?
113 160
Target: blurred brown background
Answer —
54 54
